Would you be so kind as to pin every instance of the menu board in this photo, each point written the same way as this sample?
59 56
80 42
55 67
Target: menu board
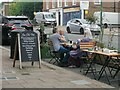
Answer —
28 46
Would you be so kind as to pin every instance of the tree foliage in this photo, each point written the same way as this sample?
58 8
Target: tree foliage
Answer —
92 19
25 8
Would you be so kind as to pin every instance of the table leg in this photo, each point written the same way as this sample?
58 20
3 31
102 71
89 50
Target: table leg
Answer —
118 68
116 72
107 77
104 66
90 66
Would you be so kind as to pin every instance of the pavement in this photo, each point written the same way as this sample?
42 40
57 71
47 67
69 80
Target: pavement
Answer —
48 76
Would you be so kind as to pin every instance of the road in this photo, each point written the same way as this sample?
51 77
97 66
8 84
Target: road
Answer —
75 36
106 37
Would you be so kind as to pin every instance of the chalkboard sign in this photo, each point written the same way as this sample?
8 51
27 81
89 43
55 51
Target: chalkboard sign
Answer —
29 47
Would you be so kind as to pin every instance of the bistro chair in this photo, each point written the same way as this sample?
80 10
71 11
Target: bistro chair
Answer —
87 57
115 67
55 55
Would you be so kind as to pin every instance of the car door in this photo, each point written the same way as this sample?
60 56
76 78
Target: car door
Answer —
77 25
71 25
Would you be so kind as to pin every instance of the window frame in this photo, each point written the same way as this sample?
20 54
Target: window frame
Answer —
65 3
54 4
73 2
59 3
97 2
47 4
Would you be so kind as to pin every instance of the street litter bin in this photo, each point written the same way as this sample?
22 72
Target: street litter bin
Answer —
13 41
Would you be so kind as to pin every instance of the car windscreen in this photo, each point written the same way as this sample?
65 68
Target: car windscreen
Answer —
50 16
9 18
18 22
84 21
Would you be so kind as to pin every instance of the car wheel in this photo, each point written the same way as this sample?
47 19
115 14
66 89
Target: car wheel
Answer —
68 30
81 31
105 25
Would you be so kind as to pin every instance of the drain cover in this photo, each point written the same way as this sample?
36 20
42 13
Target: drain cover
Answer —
3 78
25 73
80 82
11 78
8 72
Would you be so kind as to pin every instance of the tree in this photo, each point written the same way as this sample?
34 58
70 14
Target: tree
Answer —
92 19
25 8
15 9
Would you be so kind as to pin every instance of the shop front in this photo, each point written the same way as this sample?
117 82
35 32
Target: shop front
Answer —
58 13
70 13
63 15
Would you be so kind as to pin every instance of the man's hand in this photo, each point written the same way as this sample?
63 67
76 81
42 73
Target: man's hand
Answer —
63 38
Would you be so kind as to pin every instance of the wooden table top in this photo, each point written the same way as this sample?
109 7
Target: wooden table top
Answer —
113 54
68 44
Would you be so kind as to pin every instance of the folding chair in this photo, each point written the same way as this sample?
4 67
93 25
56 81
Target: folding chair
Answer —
115 67
55 55
87 57
86 62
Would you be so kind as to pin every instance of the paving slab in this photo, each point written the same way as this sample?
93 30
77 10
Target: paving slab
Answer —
49 76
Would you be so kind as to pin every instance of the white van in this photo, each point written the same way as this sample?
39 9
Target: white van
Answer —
109 18
46 17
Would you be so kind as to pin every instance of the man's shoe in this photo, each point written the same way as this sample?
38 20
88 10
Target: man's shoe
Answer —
61 64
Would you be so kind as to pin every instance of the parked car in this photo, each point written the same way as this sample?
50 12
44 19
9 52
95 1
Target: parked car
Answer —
46 17
10 23
79 25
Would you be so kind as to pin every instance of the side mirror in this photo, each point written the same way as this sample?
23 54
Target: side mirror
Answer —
80 23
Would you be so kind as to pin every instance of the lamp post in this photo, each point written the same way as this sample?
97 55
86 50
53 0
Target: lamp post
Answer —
34 5
101 19
34 12
114 6
22 9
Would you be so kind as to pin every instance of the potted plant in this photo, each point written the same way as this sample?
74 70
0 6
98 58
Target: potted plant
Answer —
100 45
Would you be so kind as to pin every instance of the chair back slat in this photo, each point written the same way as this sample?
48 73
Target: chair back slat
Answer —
85 45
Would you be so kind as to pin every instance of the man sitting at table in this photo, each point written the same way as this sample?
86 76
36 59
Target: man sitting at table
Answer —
63 36
56 40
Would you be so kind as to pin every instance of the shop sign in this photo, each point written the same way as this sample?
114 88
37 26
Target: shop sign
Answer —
84 5
72 9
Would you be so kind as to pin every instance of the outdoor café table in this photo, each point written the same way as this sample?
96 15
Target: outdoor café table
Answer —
107 58
66 44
